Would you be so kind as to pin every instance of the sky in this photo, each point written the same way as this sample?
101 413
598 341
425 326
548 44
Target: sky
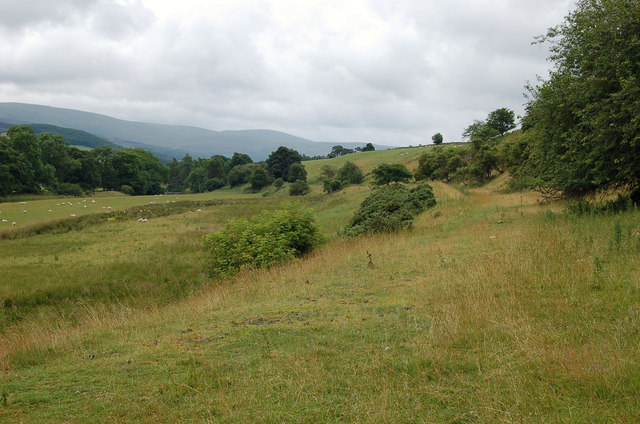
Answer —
391 72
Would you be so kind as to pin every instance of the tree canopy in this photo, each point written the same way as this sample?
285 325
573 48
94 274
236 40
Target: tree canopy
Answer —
584 117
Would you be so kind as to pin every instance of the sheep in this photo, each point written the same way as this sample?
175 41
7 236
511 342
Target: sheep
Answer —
73 215
13 223
24 211
4 220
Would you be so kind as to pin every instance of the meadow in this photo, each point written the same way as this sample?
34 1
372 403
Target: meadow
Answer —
493 308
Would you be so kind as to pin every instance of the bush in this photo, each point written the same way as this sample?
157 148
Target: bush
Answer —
268 238
69 189
127 189
389 209
299 188
214 184
278 183
350 172
331 186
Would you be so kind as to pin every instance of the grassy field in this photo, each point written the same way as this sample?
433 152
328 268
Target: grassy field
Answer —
492 309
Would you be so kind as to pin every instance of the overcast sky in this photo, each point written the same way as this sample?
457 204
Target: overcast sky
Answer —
385 71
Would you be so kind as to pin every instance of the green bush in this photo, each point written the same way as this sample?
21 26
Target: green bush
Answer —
299 188
69 189
126 189
268 238
331 186
389 209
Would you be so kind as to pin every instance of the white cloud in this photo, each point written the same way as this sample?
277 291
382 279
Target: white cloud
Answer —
381 71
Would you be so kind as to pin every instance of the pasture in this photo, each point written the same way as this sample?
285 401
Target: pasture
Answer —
493 308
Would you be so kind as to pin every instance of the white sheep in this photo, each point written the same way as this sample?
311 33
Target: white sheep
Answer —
73 215
24 211
13 223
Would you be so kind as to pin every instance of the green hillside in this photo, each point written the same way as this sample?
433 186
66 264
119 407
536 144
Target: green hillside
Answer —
493 308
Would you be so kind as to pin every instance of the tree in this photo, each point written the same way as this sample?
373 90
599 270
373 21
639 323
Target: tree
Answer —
437 139
351 173
584 117
197 180
280 160
388 173
240 174
260 179
297 172
327 172
501 120
216 168
238 159
338 150
368 148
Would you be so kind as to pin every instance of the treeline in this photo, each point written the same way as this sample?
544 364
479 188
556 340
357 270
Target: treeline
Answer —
31 163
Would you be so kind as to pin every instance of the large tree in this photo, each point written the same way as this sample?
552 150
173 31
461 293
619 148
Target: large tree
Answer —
280 160
584 117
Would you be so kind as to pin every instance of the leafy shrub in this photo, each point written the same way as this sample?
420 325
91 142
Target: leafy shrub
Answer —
331 186
268 238
126 189
214 184
69 189
389 209
299 188
278 183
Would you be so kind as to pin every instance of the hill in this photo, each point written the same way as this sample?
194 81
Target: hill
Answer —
257 143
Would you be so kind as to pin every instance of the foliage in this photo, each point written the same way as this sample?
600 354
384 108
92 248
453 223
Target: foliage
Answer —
330 186
126 189
327 172
241 174
214 184
70 189
280 160
351 173
297 172
584 117
368 148
238 159
278 183
437 139
197 180
441 163
390 208
388 173
337 151
299 188
259 179
501 120
266 239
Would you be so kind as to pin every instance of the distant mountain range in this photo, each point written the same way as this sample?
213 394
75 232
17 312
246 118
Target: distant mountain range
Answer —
166 141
